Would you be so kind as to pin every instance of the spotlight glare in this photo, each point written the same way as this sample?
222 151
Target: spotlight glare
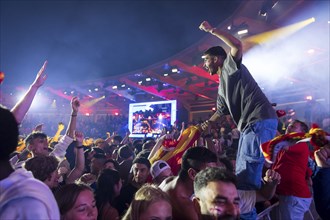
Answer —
174 70
96 89
309 97
114 87
229 27
165 74
148 79
311 51
245 31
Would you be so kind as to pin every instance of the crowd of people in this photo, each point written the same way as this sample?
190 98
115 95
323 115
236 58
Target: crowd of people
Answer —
78 169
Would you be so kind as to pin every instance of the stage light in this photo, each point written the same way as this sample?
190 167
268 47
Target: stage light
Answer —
122 85
267 7
140 82
116 113
245 31
53 105
165 74
311 51
87 114
213 109
114 87
309 97
229 27
88 91
279 33
96 89
148 79
72 92
175 70
93 102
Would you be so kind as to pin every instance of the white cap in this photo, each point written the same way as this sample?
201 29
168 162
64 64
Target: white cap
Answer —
158 167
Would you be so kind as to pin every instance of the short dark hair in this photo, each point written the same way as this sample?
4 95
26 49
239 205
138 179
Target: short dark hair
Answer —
144 153
33 136
114 162
148 145
142 160
196 158
118 138
303 125
213 174
216 51
148 139
125 152
8 133
42 166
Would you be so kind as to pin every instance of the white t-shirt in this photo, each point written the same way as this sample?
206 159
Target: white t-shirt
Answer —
247 200
24 197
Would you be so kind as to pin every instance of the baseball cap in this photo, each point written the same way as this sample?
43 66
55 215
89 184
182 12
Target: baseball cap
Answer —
158 167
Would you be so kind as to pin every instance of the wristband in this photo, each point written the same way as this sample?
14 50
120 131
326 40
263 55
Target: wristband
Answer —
74 115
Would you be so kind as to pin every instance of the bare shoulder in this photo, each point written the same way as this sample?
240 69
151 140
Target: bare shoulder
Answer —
168 183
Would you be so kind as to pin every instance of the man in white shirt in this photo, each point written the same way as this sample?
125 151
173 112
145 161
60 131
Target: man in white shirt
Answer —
21 196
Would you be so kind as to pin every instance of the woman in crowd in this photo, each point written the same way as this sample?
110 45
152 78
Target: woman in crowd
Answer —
149 202
108 187
76 201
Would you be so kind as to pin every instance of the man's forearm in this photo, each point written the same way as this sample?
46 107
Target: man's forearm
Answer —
230 40
21 108
72 124
266 191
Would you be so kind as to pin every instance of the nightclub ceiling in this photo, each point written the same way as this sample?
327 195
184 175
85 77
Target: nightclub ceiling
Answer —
286 43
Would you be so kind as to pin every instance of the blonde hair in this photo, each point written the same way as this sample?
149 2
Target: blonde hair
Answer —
144 197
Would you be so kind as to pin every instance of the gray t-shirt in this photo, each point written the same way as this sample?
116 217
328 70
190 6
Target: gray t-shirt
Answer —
240 96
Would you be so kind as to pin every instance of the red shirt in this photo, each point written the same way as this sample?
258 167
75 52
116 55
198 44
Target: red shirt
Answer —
291 164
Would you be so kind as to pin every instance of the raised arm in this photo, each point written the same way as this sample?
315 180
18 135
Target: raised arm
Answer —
21 107
234 44
60 128
267 190
79 167
73 118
